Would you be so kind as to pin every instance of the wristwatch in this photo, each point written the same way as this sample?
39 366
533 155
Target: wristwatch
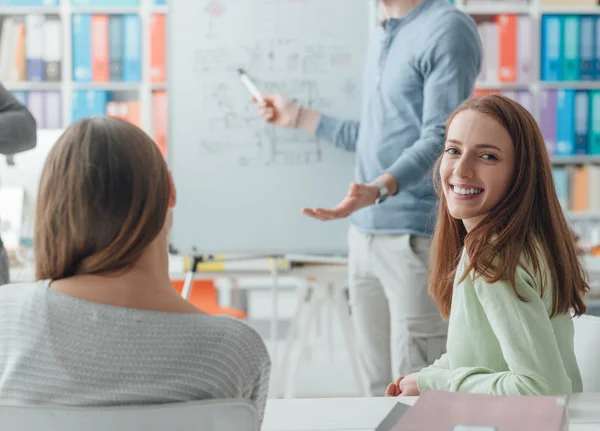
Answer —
383 192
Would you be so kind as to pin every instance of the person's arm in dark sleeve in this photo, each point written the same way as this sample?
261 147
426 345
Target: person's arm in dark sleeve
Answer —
17 125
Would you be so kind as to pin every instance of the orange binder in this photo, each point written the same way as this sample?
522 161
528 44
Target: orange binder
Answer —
507 39
157 48
133 113
580 189
100 50
159 120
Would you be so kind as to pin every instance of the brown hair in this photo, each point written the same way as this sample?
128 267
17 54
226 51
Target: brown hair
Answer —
529 219
103 198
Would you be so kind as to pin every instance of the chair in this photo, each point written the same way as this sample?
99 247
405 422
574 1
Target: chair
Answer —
208 415
204 295
587 350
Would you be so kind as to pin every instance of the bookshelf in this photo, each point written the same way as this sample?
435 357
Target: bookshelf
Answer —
485 11
535 9
141 91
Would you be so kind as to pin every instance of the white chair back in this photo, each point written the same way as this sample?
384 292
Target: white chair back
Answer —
587 351
209 415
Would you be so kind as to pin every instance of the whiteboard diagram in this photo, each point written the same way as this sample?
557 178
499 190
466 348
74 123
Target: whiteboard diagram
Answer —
279 59
230 167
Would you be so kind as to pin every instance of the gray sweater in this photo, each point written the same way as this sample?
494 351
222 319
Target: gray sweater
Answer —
58 349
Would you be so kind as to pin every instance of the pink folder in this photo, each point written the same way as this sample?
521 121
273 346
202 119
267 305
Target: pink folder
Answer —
455 411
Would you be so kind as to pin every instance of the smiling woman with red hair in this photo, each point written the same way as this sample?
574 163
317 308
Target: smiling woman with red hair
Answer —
505 268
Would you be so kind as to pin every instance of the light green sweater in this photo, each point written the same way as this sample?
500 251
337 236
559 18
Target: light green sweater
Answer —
498 344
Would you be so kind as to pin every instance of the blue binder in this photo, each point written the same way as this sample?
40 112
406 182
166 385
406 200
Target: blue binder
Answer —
115 47
132 48
587 40
551 48
582 121
82 47
565 124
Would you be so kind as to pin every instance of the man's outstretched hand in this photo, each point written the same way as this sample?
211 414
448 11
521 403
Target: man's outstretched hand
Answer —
359 196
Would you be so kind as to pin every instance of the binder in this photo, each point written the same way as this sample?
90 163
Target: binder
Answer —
551 48
586 45
34 24
484 54
52 110
580 189
507 33
157 48
52 49
581 122
565 125
525 99
115 37
594 127
491 49
78 105
548 119
132 49
159 120
133 113
82 48
35 105
570 57
96 102
593 197
8 46
561 184
18 68
524 49
597 48
100 48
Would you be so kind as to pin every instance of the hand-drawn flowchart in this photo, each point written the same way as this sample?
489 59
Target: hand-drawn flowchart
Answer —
242 182
288 48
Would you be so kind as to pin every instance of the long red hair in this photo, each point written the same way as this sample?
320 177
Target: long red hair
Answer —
529 219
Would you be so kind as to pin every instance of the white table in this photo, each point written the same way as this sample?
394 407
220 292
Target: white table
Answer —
364 414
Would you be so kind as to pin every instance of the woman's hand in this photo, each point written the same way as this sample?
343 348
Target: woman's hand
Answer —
408 386
393 390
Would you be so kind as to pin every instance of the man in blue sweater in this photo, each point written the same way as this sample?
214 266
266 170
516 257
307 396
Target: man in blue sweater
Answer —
422 62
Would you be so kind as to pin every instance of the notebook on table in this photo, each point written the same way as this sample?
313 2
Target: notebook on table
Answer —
453 411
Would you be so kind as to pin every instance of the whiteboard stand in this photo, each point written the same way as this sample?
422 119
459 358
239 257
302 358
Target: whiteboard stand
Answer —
189 277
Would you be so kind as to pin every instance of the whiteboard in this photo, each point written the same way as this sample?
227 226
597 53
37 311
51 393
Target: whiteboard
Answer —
241 183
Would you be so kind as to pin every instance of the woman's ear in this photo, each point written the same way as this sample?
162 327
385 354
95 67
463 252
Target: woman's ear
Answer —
172 193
